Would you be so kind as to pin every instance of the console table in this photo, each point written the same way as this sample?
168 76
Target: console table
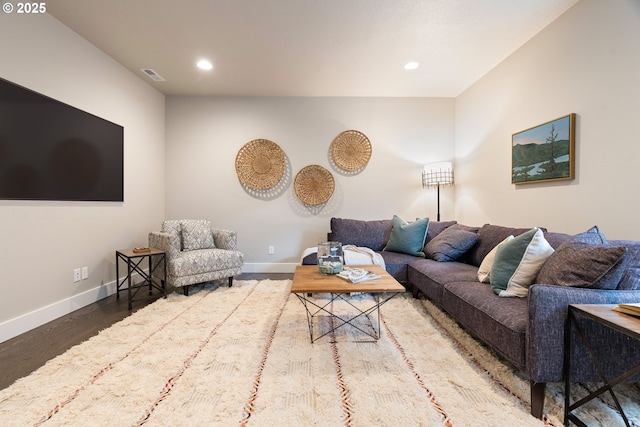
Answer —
134 259
603 314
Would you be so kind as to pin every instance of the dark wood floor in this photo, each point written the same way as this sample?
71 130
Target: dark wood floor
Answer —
25 353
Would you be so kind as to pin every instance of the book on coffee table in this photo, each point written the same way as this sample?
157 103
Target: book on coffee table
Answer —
357 275
629 308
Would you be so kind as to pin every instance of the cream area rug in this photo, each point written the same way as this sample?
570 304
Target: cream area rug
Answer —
243 356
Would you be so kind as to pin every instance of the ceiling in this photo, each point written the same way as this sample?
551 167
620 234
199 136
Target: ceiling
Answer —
309 47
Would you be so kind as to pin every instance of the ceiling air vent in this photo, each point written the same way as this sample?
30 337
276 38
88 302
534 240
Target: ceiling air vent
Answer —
153 75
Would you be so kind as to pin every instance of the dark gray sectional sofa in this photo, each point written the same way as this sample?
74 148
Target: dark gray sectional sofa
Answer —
527 332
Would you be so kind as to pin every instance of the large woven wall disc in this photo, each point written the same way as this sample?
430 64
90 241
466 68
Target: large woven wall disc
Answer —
260 164
351 150
314 185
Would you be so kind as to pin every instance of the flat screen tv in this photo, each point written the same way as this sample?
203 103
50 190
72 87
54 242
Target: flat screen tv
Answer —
52 151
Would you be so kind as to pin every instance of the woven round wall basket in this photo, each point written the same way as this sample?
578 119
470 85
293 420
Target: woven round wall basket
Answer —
314 185
351 150
260 164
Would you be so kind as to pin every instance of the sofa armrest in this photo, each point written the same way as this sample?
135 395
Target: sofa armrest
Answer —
225 239
548 306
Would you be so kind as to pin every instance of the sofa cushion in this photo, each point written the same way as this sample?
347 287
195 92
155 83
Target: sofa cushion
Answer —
484 271
407 238
488 238
396 264
445 272
499 322
450 244
584 265
518 262
369 234
196 234
200 261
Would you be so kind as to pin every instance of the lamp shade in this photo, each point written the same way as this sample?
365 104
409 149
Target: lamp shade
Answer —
439 173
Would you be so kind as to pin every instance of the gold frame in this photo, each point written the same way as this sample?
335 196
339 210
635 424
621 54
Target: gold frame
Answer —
530 152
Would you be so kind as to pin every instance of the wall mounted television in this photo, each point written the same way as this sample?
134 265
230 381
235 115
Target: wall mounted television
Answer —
53 151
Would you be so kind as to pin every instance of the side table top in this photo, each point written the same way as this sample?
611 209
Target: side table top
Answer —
604 313
129 253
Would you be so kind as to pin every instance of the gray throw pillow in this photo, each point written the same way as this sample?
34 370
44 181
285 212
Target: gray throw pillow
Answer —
437 227
451 244
584 265
196 234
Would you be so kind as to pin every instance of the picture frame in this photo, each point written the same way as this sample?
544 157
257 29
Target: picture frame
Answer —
545 152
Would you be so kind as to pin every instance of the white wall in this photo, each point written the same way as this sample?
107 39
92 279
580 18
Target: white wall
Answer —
204 135
43 242
586 62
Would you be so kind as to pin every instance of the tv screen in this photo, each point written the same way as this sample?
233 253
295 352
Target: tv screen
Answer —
52 151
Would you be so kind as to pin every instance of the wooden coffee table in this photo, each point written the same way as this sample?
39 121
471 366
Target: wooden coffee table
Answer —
308 280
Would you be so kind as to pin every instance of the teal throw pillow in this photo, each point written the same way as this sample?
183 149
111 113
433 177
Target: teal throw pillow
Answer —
517 263
407 238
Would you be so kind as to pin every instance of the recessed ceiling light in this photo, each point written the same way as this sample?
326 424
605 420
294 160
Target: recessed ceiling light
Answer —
411 65
203 64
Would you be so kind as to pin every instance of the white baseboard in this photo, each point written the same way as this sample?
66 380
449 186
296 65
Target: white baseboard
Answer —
259 267
26 322
13 327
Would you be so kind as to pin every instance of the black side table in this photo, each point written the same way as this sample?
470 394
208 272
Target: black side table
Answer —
133 258
603 314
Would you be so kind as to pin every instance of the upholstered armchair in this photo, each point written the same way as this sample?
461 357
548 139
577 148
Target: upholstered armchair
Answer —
196 252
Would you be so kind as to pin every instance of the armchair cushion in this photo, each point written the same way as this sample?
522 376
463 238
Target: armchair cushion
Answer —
196 234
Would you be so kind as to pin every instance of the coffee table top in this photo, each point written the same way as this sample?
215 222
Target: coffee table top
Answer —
307 279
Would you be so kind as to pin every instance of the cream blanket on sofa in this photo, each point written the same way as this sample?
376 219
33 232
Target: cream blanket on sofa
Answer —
353 255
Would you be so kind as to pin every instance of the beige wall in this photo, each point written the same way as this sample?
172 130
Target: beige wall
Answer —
204 135
586 62
43 242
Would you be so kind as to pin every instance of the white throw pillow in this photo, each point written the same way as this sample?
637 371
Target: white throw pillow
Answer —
484 271
518 262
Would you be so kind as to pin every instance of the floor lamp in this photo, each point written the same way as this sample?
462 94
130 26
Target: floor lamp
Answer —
437 174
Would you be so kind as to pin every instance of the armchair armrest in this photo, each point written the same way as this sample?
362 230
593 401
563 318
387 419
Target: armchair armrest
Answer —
548 306
225 239
170 243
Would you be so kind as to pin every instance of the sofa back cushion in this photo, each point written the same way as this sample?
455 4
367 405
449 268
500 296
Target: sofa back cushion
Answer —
489 236
369 234
631 275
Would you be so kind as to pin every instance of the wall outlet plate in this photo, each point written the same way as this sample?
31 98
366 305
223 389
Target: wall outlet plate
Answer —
76 275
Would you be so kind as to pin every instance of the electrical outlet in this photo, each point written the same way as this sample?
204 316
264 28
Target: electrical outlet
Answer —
76 275
271 250
85 273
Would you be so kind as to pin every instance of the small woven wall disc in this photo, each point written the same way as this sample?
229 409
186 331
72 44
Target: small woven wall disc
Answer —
260 164
314 185
351 150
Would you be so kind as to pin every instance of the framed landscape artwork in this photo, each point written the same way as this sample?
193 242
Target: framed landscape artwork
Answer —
545 152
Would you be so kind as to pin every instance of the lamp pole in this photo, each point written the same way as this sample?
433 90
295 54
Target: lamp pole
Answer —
438 202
